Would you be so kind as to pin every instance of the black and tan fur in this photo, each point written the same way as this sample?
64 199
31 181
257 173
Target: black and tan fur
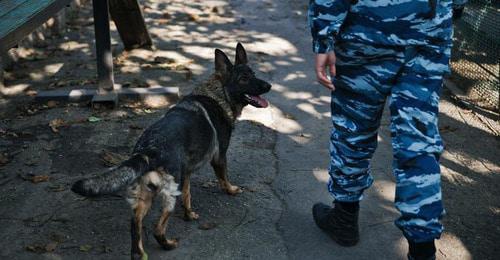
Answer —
194 132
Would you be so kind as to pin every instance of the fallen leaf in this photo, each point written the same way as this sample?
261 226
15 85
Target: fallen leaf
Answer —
207 226
40 178
4 159
35 248
166 15
111 159
34 178
51 104
57 188
106 249
85 248
161 21
54 124
193 17
447 128
251 189
94 119
40 249
50 247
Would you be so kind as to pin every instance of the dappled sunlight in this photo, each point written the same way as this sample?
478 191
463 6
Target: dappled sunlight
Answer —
321 175
14 89
386 190
261 115
286 125
271 44
310 109
453 176
451 247
294 76
301 95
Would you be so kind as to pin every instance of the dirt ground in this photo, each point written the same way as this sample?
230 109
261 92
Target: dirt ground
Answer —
278 155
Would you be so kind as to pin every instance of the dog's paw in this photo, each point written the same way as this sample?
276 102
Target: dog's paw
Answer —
191 215
170 244
166 244
233 190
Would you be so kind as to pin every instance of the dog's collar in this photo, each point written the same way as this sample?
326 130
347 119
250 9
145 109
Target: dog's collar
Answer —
215 90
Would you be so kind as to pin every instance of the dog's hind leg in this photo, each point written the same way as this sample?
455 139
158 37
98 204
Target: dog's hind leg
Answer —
220 169
189 214
167 194
140 199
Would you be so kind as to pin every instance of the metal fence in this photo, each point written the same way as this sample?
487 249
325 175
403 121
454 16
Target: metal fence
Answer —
476 53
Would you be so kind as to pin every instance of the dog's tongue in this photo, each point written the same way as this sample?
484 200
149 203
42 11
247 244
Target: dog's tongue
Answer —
261 101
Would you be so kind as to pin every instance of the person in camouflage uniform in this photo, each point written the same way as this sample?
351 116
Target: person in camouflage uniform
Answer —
373 50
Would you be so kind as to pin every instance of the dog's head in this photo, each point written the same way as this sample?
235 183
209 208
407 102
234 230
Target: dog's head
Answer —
241 84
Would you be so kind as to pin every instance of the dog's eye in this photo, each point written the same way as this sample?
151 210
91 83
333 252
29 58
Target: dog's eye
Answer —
244 79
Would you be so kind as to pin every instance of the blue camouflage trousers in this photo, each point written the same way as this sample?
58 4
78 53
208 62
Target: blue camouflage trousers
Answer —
411 77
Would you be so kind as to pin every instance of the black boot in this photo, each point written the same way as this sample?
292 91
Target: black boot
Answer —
340 222
422 251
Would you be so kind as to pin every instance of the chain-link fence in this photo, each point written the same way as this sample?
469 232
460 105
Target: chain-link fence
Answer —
475 56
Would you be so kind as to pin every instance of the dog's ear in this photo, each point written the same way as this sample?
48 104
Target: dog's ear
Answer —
241 55
222 63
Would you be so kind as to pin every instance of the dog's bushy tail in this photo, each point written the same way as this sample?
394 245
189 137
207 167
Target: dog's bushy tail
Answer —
113 180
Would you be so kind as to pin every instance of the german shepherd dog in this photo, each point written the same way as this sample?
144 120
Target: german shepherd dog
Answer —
195 131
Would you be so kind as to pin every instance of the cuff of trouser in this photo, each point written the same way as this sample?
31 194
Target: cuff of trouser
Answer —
344 197
416 235
323 45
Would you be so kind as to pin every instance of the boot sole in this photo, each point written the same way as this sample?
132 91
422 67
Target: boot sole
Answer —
341 242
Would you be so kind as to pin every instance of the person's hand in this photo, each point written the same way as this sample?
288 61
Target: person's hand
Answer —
322 61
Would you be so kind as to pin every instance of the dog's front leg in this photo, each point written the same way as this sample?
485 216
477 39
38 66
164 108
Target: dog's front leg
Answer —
220 169
140 200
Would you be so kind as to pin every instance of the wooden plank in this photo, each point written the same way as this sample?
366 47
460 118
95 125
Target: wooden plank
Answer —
25 18
87 94
8 5
129 21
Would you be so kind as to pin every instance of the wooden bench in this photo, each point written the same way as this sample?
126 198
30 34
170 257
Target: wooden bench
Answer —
19 18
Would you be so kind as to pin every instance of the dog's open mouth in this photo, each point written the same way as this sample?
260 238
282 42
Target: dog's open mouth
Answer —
256 101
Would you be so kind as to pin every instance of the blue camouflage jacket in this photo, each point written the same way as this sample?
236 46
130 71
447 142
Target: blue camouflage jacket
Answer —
381 22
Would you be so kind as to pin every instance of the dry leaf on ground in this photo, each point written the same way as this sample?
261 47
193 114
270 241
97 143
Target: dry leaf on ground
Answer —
56 123
50 247
207 225
35 178
85 248
111 159
52 104
4 159
40 249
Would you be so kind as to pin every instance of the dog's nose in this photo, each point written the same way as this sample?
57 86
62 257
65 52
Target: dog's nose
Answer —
267 86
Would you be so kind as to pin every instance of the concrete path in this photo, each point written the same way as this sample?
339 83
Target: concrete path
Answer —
279 155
